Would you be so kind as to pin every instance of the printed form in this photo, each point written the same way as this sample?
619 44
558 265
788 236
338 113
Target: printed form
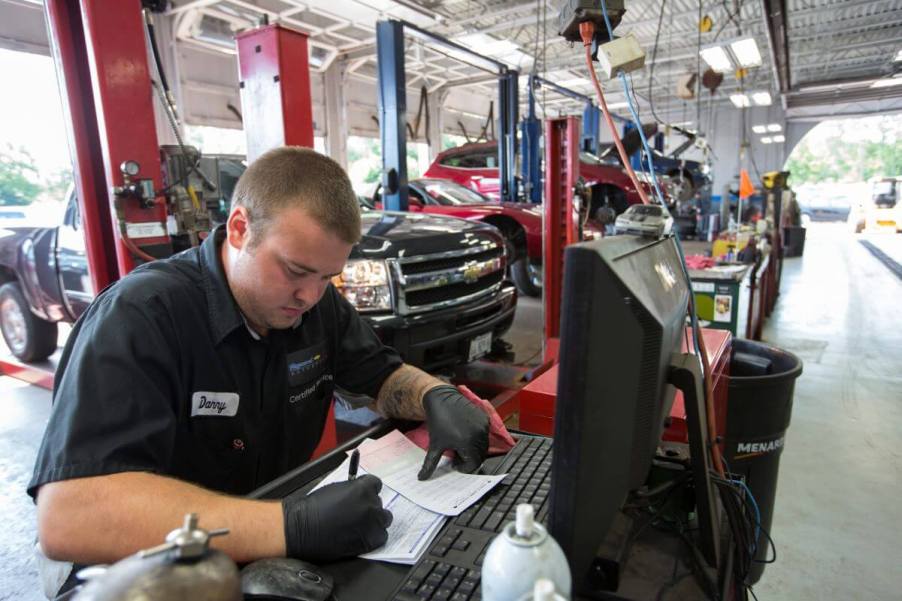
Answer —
419 508
412 527
397 461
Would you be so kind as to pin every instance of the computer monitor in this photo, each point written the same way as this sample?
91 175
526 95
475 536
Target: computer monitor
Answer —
623 318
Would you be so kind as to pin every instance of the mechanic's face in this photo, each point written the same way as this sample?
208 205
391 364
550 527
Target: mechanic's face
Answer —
284 271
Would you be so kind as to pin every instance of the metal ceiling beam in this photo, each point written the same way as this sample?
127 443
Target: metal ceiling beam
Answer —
773 13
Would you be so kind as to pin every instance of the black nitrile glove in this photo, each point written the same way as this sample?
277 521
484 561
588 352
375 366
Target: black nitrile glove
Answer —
455 423
339 520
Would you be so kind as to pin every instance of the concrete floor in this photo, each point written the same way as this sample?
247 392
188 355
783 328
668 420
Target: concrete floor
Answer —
838 522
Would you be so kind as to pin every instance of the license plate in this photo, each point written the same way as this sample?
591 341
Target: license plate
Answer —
479 346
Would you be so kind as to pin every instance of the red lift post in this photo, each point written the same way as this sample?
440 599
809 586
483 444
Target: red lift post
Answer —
106 41
562 138
275 88
277 111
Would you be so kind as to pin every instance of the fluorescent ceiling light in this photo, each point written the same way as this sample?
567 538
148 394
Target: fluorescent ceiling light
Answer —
717 59
740 100
774 127
898 58
886 83
574 81
759 129
618 105
767 140
780 138
762 98
503 50
746 52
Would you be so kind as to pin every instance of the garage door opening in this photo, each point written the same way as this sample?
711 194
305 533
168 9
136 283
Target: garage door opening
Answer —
841 167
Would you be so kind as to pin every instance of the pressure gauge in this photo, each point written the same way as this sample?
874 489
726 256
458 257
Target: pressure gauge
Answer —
129 168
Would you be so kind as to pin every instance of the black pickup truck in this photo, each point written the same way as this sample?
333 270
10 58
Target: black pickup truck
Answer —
432 287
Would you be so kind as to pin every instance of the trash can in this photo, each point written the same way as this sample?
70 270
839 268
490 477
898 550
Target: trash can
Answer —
793 241
759 406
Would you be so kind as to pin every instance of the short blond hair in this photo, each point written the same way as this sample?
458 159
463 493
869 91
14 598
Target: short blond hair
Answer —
296 177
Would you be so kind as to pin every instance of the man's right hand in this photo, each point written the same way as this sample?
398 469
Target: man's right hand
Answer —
339 520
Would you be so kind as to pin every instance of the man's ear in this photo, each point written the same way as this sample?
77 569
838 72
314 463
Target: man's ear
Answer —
238 228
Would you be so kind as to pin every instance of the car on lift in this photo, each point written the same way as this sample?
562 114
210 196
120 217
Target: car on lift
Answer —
687 178
432 287
475 166
521 224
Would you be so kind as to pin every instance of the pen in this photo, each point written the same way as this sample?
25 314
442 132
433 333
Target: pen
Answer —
355 462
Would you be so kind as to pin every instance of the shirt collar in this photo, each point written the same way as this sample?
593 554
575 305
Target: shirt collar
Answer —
224 313
222 309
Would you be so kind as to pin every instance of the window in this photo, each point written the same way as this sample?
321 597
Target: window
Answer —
216 140
472 160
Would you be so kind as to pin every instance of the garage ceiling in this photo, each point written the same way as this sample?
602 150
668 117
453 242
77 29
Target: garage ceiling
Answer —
820 56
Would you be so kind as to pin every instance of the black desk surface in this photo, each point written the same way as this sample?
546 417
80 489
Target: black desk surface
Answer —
656 560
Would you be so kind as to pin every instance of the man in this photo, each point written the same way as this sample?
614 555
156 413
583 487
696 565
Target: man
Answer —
201 377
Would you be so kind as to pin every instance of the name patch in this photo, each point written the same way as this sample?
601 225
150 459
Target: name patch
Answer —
223 404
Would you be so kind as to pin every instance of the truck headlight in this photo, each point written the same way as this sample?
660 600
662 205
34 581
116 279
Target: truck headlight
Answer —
365 284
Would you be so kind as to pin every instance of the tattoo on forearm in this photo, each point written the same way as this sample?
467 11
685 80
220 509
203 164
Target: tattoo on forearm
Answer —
401 395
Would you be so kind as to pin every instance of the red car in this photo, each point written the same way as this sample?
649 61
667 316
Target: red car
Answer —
520 223
476 167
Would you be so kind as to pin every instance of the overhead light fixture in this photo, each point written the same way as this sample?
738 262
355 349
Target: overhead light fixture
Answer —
746 52
898 58
717 58
886 83
767 140
779 139
740 100
774 127
762 98
574 81
759 129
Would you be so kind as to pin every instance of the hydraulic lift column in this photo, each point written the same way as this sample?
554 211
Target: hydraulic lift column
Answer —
562 138
102 55
273 66
393 109
275 88
392 114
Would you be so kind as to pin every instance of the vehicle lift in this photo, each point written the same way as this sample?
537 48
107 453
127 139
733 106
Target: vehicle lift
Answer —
393 108
101 61
530 128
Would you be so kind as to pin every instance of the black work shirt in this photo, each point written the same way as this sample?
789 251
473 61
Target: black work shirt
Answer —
161 374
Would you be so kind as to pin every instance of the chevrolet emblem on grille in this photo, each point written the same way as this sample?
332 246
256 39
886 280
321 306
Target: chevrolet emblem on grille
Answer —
472 273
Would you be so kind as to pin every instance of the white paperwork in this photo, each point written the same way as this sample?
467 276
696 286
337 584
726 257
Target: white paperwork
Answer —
397 461
412 527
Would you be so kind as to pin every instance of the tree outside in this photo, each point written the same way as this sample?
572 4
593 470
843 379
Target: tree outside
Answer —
19 177
848 151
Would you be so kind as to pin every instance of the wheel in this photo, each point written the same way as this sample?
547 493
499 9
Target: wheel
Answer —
527 276
28 337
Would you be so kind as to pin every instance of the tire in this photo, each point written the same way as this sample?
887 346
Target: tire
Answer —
28 337
524 274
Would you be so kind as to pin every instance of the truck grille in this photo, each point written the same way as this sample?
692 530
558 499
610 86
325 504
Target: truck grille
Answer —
447 279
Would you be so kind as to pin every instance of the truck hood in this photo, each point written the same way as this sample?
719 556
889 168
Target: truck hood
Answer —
391 234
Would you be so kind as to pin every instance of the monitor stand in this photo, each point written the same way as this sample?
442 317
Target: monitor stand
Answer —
686 375
605 574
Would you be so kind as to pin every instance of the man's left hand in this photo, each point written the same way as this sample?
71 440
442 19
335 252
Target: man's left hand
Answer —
456 424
